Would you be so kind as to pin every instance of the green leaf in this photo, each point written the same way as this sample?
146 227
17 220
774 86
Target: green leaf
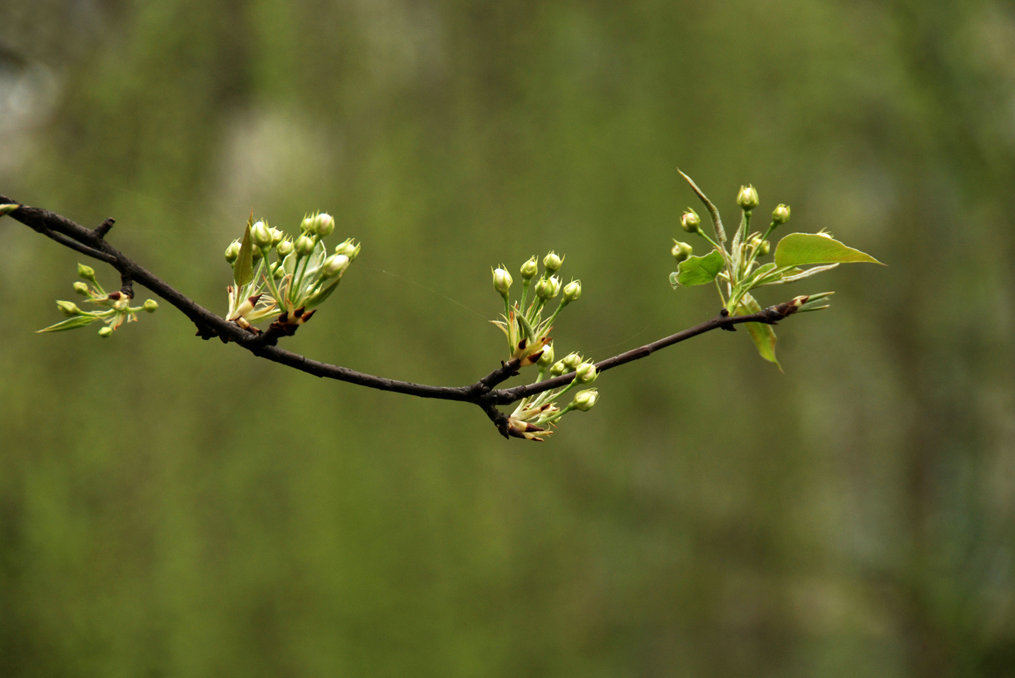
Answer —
698 270
762 334
243 269
804 249
69 324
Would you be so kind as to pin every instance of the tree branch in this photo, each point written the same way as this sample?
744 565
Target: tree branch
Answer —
483 393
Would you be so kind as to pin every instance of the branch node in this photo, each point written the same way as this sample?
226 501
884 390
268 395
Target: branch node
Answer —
102 229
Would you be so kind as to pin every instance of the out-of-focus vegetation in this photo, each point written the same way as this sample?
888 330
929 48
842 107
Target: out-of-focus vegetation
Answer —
173 507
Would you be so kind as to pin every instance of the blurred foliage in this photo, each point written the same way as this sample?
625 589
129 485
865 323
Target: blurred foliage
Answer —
173 507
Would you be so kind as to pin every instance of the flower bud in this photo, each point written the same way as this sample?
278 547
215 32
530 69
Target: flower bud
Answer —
324 224
335 265
150 305
548 288
762 247
690 221
304 245
530 268
681 250
780 215
260 235
552 262
349 247
546 357
285 247
572 360
232 251
573 291
276 236
86 272
747 198
501 280
308 224
81 288
69 308
586 400
105 331
585 372
558 368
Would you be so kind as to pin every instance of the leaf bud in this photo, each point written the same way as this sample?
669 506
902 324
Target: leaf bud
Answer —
747 198
585 373
150 305
68 308
585 400
681 250
501 280
530 268
552 262
324 224
690 221
573 291
260 235
232 251
304 245
780 215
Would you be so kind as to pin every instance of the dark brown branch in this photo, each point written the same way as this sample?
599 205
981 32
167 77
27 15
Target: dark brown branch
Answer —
483 393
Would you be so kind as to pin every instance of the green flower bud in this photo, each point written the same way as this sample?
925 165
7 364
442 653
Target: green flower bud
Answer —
233 252
105 331
747 198
780 215
81 288
501 280
304 245
548 288
681 250
530 268
276 236
552 262
324 224
586 400
308 224
690 221
585 373
571 360
349 247
260 235
546 357
86 272
285 247
150 305
335 265
573 291
69 308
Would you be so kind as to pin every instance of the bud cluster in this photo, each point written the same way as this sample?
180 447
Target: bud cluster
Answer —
115 308
535 417
283 276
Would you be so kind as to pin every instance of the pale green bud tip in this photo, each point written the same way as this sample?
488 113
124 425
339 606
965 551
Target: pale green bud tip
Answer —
260 234
150 305
690 221
276 236
68 308
105 331
747 198
349 247
86 272
546 357
681 250
780 215
585 373
501 280
232 251
558 368
552 262
335 265
573 290
548 288
324 224
308 224
304 245
586 400
285 247
81 288
572 360
530 268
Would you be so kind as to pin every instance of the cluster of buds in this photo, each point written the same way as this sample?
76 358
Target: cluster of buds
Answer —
285 277
115 308
535 416
527 332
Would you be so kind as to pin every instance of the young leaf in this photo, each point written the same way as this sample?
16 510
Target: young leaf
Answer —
69 324
762 335
802 249
697 270
243 269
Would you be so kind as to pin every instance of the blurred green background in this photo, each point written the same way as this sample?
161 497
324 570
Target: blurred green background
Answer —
174 507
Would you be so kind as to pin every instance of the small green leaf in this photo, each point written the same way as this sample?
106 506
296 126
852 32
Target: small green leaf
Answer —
243 269
762 334
804 249
697 270
69 324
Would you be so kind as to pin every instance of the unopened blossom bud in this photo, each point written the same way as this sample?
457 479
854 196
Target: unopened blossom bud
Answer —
548 288
690 221
530 268
232 251
572 360
285 247
780 215
308 224
552 262
558 368
546 357
585 373
324 224
335 265
747 198
501 280
105 332
681 250
81 288
260 235
150 305
276 236
586 400
68 308
349 247
304 245
86 272
573 291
